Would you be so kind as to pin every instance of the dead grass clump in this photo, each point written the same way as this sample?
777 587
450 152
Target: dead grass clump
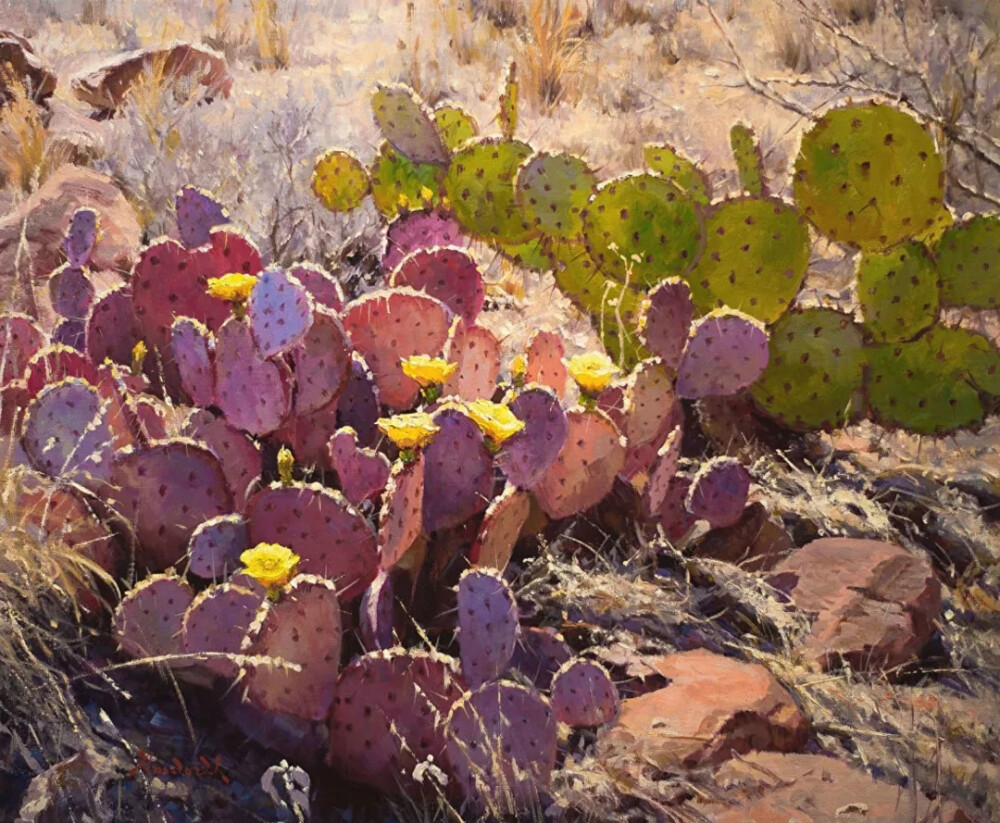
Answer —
504 14
792 42
550 56
272 36
26 153
855 11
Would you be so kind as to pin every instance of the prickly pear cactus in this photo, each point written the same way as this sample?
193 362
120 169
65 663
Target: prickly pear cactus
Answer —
216 622
553 189
479 187
20 340
340 181
149 620
507 116
192 347
968 257
387 717
301 627
749 160
641 227
417 230
528 455
756 256
362 473
665 321
321 285
662 473
727 352
111 329
72 292
401 516
279 312
377 623
545 355
81 237
197 213
253 393
500 530
448 274
216 545
476 351
239 455
458 472
815 369
322 363
488 624
583 694
408 125
719 492
455 124
664 160
898 291
399 185
869 175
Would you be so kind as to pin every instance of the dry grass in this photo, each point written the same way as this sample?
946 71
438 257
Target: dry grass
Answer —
272 35
792 42
550 55
26 153
855 11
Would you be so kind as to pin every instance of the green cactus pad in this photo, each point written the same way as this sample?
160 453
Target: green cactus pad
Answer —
932 385
664 160
756 256
340 181
815 370
507 115
408 125
533 254
646 216
898 291
553 189
579 278
968 256
869 176
479 186
621 339
456 125
749 160
394 178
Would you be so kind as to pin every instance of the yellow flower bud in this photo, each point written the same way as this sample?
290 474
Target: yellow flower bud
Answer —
139 352
519 367
286 463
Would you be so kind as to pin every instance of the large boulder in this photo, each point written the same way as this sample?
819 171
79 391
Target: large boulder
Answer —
872 604
31 236
713 707
770 787
106 87
36 77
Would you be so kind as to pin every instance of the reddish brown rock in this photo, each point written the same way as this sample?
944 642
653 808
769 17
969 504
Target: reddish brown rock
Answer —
755 542
872 604
73 137
770 787
36 77
713 707
31 236
106 87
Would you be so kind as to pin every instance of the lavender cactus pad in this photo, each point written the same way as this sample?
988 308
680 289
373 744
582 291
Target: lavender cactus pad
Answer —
401 519
72 292
666 321
216 545
458 472
197 214
192 347
719 492
583 694
80 237
149 620
420 230
216 621
112 331
253 393
322 363
726 353
279 312
321 285
526 456
363 473
239 456
449 274
488 625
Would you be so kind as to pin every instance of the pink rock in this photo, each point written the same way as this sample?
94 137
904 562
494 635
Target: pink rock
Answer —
873 604
37 77
713 707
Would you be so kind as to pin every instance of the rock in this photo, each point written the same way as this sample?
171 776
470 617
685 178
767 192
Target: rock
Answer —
713 707
31 236
72 136
872 603
755 542
106 87
769 787
28 67
73 789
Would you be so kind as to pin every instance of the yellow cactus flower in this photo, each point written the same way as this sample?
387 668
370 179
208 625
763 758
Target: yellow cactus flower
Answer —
233 288
139 352
592 371
403 202
408 431
426 194
496 420
270 565
519 367
286 463
428 371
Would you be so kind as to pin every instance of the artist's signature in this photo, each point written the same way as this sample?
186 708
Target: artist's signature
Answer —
201 769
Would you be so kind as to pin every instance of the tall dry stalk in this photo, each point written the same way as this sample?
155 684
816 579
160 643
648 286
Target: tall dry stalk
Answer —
550 56
272 36
26 156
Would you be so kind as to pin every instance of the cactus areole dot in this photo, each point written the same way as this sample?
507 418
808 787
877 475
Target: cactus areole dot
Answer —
270 565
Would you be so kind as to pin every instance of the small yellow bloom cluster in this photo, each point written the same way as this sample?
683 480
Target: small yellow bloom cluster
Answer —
286 464
270 565
233 288
139 352
408 431
592 371
426 370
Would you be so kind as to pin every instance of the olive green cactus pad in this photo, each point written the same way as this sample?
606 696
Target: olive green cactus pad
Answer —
553 190
532 254
749 160
968 256
580 278
664 160
755 259
643 223
406 123
814 375
398 182
456 125
479 187
898 291
340 181
507 116
869 176
932 385
618 325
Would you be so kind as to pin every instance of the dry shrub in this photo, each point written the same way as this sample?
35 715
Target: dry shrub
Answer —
272 36
26 153
550 54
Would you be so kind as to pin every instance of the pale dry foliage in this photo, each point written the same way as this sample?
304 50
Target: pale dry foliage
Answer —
550 54
26 154
792 39
272 35
855 11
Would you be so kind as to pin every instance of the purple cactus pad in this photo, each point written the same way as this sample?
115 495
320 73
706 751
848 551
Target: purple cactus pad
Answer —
417 230
363 473
20 340
216 621
719 492
253 393
525 457
666 321
458 472
80 237
149 620
322 363
279 311
488 625
191 344
216 545
239 456
449 274
476 351
72 292
197 214
726 353
583 694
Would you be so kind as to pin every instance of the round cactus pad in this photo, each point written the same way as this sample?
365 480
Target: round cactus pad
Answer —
449 274
476 351
584 472
968 257
301 627
898 291
80 237
149 620
488 625
480 188
191 344
674 517
72 292
165 491
647 217
583 694
869 175
456 125
216 621
719 492
254 394
755 259
458 472
814 370
408 125
112 331
726 353
332 539
216 545
664 160
389 325
197 213
665 321
322 363
553 189
420 230
321 285
280 312
501 528
239 456
340 181
528 455
387 717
